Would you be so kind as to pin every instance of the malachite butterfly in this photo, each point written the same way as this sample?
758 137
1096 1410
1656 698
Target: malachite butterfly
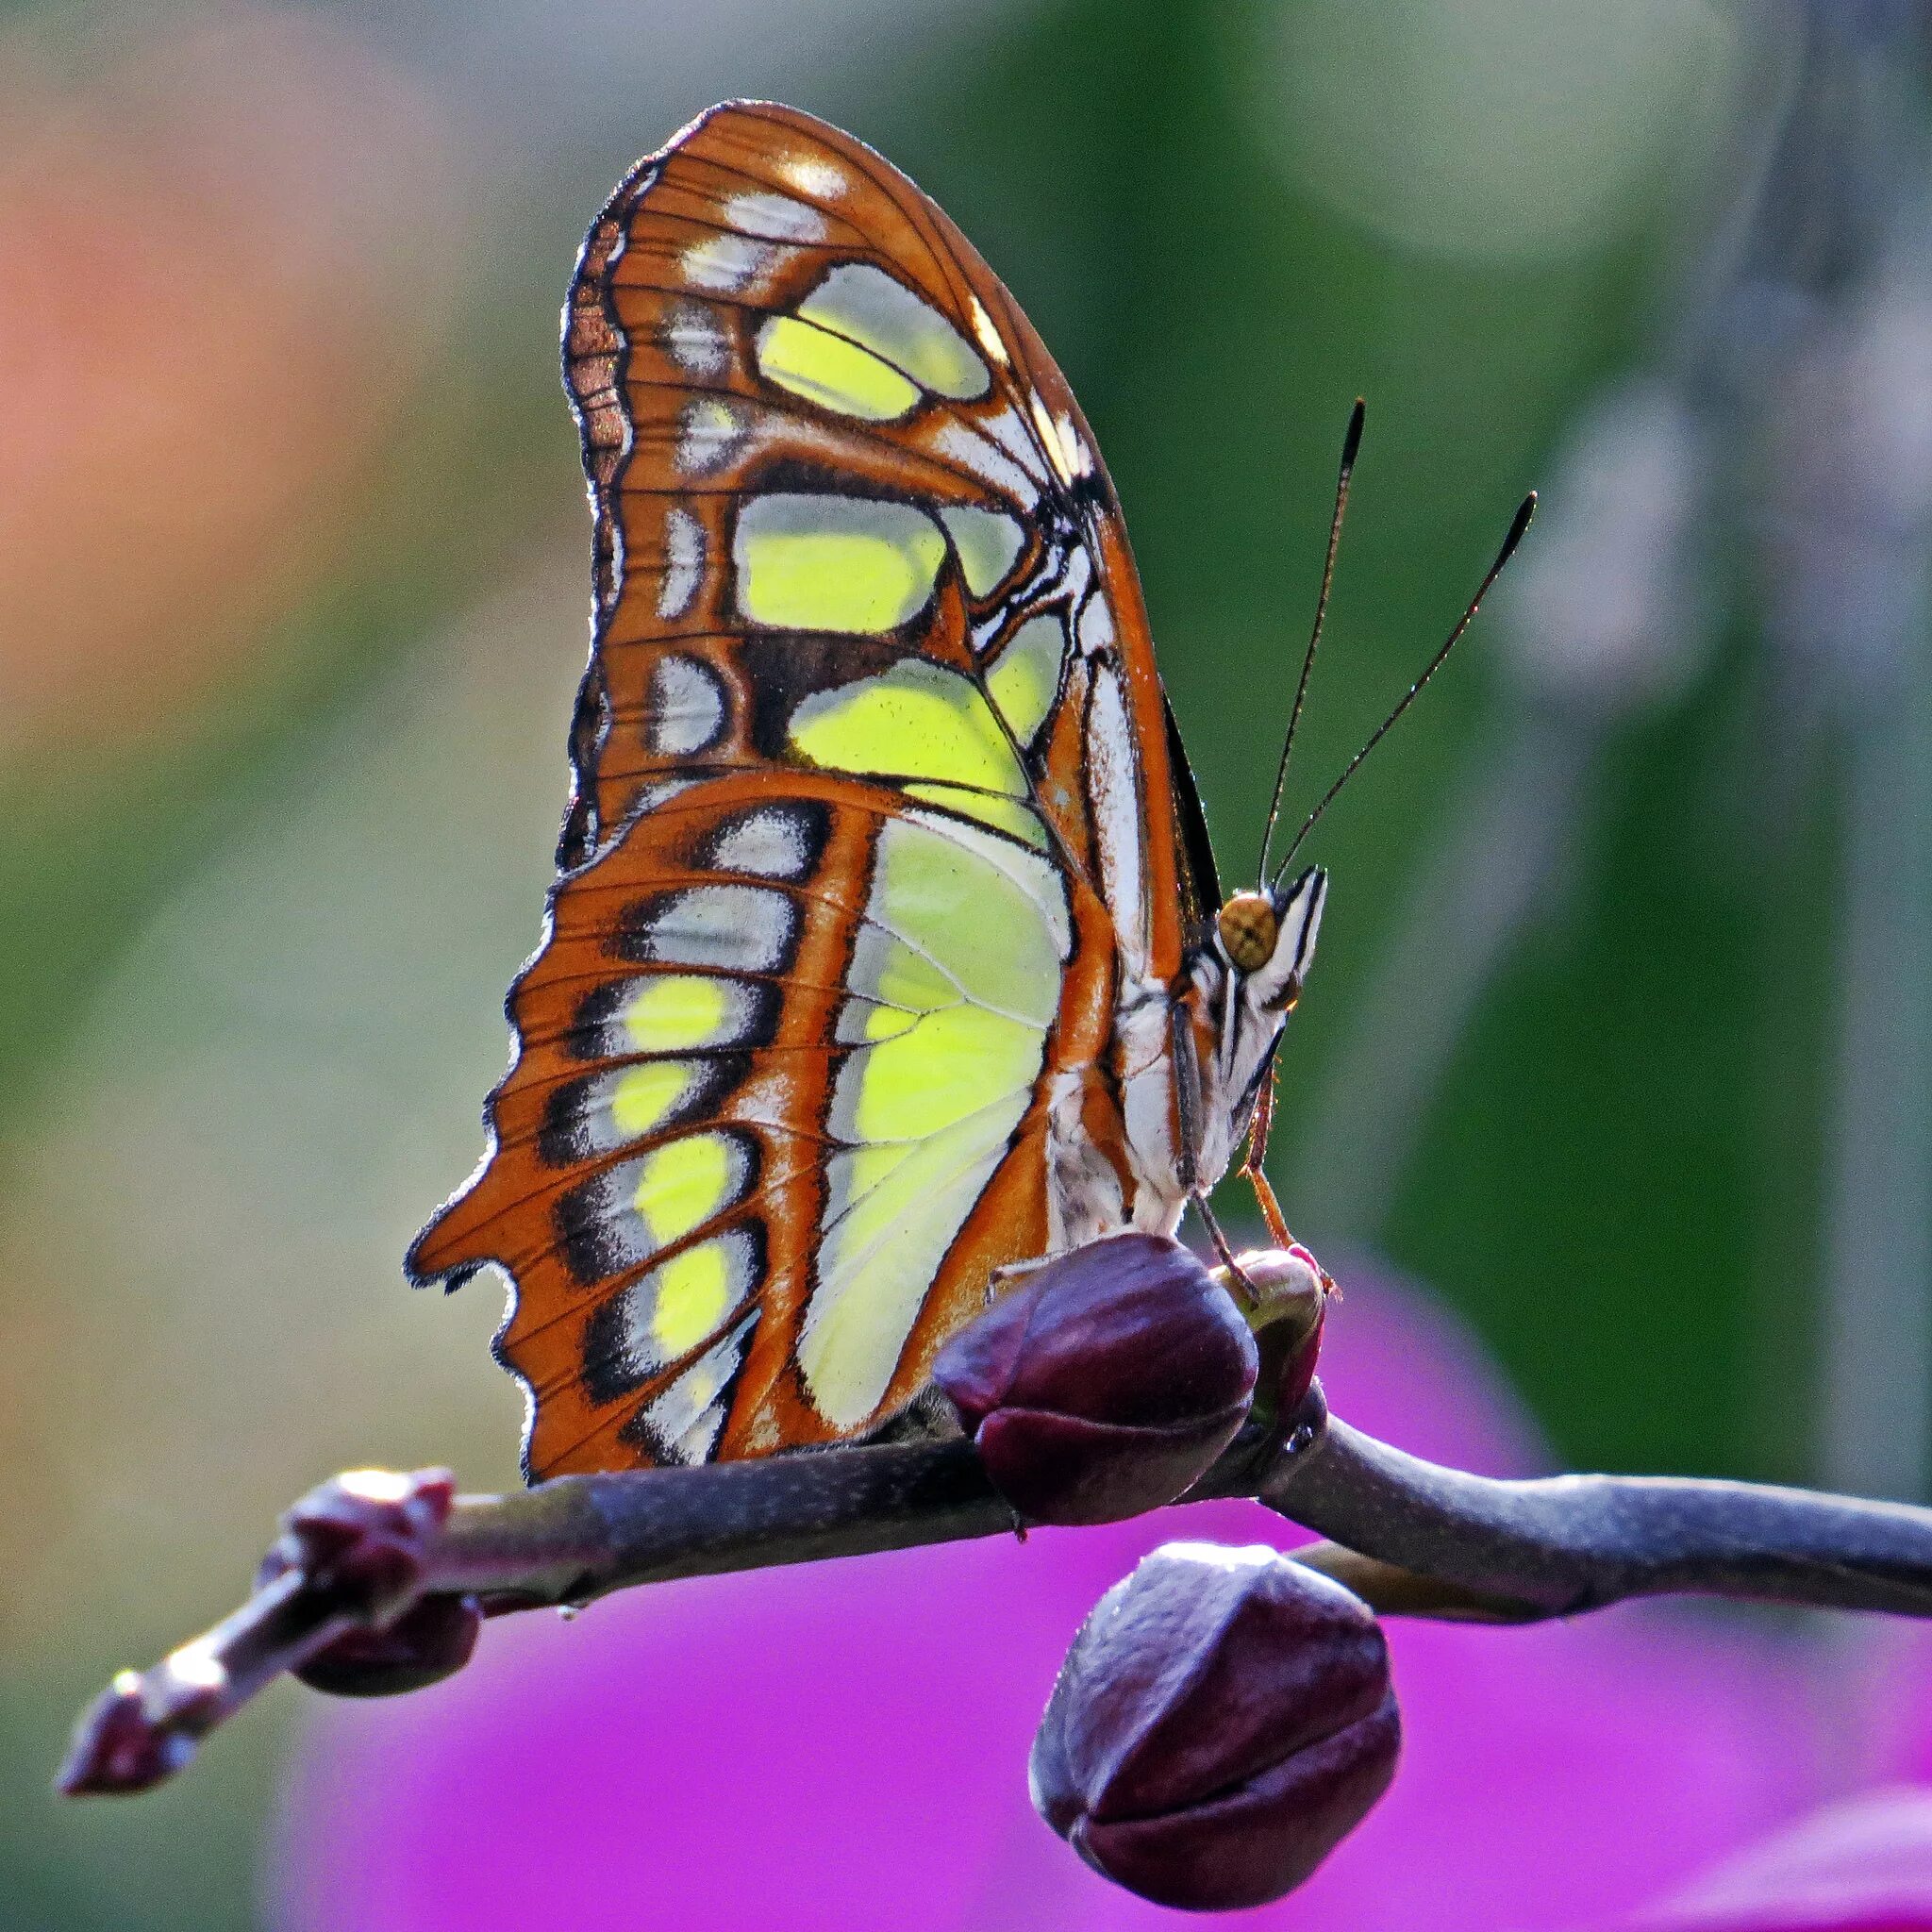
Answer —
885 949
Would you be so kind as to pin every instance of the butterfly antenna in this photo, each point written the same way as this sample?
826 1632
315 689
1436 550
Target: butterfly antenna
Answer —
1518 526
1350 445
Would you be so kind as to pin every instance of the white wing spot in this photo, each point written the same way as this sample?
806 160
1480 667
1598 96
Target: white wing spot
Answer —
988 333
652 796
1074 458
684 562
686 707
710 434
1096 624
812 175
1048 432
775 217
743 928
694 339
1114 793
774 843
965 445
727 262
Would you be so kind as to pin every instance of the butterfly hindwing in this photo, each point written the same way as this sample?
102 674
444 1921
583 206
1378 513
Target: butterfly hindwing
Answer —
873 813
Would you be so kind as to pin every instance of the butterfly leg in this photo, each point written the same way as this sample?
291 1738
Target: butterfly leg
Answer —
1270 1207
1237 1275
1187 1084
1251 1167
1251 1172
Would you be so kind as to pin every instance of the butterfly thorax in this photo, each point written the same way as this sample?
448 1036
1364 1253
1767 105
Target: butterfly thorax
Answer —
1158 1120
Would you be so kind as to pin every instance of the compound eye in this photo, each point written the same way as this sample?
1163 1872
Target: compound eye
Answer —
1248 929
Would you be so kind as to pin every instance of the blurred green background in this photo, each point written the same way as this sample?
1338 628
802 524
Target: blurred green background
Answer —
1618 1034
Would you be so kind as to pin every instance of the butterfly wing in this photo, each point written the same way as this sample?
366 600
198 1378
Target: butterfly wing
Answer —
873 818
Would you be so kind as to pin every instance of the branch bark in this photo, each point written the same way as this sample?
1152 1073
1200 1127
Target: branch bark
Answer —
1560 1545
1410 1536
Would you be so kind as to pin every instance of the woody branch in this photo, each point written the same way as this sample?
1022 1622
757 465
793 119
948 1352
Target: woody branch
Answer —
1410 1536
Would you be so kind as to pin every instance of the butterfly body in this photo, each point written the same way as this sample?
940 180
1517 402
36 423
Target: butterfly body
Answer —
883 953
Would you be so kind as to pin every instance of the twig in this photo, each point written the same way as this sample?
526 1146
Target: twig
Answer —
1558 1545
1410 1536
147 1726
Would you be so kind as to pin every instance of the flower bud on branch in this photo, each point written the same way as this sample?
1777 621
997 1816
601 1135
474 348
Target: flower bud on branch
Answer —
1292 1290
1223 1720
1412 1537
351 1558
427 1643
363 1539
1106 1383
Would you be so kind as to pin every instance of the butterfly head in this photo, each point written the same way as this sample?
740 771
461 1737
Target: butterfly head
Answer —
1267 938
1242 982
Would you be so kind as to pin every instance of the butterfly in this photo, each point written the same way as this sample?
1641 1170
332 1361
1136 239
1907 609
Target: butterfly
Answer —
886 951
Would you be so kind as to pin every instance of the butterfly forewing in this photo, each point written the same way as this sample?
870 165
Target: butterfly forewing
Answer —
871 814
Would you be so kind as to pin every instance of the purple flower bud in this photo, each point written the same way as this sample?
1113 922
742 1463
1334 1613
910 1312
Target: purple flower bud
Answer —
430 1641
1105 1383
119 1749
363 1537
1293 1290
1223 1720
